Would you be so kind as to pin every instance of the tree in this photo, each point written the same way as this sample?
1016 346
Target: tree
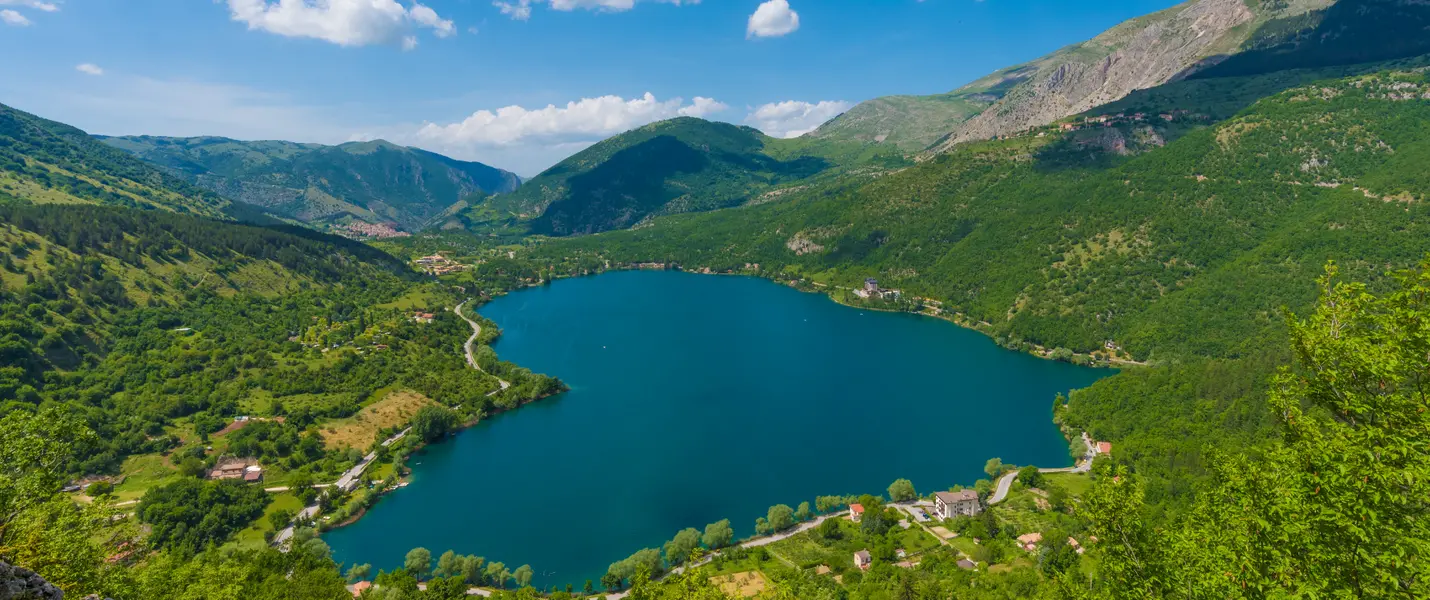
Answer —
824 504
611 581
718 535
358 573
780 517
471 569
522 575
902 490
994 467
588 589
187 515
280 518
678 549
801 513
1055 554
762 526
1030 477
418 562
497 574
432 423
446 588
830 531
1336 509
99 488
1058 498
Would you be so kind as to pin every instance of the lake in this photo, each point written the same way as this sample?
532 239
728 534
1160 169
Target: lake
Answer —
696 398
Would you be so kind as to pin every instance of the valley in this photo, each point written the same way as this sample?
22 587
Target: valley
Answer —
1186 255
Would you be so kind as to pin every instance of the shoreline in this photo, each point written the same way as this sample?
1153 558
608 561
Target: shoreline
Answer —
465 424
954 317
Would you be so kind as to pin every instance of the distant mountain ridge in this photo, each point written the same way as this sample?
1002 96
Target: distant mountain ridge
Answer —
372 182
1195 38
675 166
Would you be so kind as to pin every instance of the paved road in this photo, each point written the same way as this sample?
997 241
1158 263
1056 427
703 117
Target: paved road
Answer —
1082 466
347 482
1004 484
750 543
472 359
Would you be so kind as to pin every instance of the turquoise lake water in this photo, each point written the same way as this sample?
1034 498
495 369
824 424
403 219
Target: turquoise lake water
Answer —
696 398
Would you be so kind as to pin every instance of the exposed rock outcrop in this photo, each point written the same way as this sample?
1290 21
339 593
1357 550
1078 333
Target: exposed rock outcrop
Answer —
1136 55
19 583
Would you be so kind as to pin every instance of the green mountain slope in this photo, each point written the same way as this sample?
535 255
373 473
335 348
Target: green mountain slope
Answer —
676 166
45 162
372 182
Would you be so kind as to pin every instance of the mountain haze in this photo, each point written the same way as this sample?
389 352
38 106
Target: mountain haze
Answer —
372 182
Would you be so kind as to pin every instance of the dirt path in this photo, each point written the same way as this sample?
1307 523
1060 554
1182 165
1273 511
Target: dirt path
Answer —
471 358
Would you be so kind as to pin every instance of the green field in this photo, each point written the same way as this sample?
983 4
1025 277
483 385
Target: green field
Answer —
253 535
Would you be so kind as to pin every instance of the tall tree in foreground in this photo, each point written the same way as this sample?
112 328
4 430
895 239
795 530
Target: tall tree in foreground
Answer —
1339 508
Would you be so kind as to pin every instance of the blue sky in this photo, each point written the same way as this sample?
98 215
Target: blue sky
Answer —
474 78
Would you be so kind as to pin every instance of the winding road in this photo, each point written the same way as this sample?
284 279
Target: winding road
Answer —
471 358
1083 466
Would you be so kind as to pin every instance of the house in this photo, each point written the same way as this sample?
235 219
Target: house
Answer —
1076 546
871 285
358 588
1104 447
253 474
423 317
856 512
948 505
231 469
862 559
1029 541
967 565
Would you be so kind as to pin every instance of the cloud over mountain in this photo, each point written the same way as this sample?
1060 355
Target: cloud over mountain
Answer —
793 118
587 118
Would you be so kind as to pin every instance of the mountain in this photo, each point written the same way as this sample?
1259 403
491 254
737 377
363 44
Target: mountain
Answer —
1187 245
675 166
371 182
45 162
1196 38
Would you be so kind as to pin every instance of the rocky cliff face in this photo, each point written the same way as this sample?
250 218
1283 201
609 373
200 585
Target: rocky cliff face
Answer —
18 583
1139 54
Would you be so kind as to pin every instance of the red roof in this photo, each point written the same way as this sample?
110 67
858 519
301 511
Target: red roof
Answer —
1104 447
857 508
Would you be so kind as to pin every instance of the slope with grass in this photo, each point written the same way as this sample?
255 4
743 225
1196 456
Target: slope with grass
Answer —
45 162
373 182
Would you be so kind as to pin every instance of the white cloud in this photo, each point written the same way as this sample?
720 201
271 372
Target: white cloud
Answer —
586 119
427 17
521 9
35 4
89 69
342 22
772 19
13 18
793 118
409 43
